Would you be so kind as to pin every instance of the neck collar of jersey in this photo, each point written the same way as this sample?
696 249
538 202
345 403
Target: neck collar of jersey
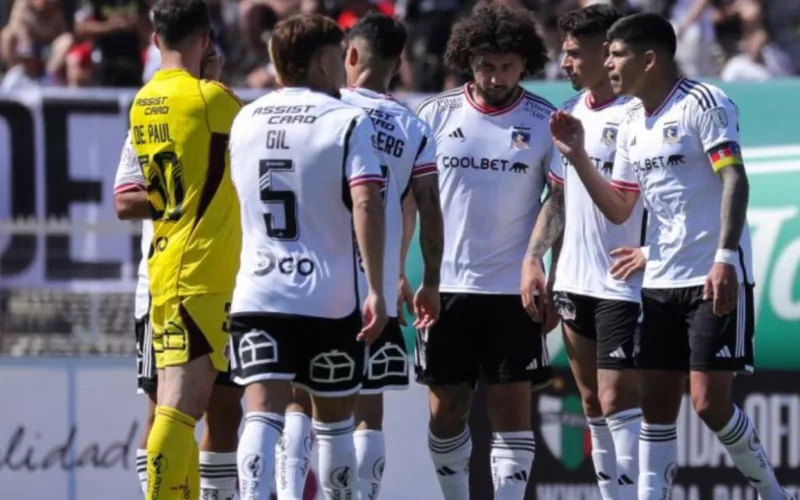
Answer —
597 106
491 110
665 101
167 72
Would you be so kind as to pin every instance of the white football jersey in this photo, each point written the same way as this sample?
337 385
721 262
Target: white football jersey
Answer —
585 261
295 153
130 178
665 154
492 164
402 144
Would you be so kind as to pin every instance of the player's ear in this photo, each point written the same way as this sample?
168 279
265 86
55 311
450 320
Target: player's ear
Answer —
397 66
352 55
156 41
650 58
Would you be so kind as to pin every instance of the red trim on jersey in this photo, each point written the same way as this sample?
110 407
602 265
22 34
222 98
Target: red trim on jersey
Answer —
490 110
553 177
424 169
669 97
625 186
366 179
594 106
128 187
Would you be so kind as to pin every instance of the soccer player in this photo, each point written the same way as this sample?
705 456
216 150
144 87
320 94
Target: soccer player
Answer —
599 313
307 178
493 154
179 133
408 152
680 148
220 436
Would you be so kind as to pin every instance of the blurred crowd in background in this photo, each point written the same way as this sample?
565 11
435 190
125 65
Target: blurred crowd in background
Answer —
86 43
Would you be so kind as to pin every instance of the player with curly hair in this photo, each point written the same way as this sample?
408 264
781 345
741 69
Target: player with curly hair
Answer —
493 154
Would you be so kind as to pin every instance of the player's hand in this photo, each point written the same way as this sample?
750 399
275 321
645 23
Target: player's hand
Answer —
405 295
567 132
722 286
551 316
374 318
533 280
628 262
427 306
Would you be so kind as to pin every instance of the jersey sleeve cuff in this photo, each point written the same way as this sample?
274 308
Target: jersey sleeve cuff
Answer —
553 177
127 187
424 169
365 179
625 186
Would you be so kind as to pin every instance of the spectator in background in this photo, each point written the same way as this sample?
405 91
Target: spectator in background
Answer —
38 25
80 67
120 30
353 10
696 52
759 60
26 71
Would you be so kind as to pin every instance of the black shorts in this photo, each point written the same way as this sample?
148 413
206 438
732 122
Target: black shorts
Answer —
680 332
481 335
613 324
387 364
319 355
146 373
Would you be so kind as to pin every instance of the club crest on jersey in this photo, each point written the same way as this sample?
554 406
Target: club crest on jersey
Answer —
719 117
609 136
671 133
520 138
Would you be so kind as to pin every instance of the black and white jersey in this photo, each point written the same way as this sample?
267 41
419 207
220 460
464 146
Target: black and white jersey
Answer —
672 156
295 153
403 144
492 172
589 237
130 178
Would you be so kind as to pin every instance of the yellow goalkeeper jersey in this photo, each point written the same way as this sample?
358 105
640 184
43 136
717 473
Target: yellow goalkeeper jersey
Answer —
180 127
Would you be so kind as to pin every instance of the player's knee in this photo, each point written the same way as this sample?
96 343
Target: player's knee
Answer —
617 393
331 410
591 404
712 405
449 407
509 407
369 412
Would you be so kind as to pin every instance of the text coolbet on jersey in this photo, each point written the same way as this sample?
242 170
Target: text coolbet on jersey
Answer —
299 255
406 149
589 237
666 155
492 169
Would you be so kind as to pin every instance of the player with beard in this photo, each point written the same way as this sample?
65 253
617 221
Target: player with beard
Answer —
599 313
679 147
408 154
493 154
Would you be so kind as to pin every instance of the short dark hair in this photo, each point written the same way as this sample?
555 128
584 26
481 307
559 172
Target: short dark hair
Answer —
496 28
385 35
296 39
594 20
645 31
176 21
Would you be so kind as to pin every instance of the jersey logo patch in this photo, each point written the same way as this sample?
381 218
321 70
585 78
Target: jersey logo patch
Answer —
609 137
719 117
675 160
387 361
670 133
457 134
520 138
332 367
519 168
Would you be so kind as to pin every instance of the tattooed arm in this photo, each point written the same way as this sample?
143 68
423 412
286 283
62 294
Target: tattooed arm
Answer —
549 224
733 210
431 226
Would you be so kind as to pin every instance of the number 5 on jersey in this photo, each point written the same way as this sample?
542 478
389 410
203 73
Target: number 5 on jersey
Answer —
272 197
165 191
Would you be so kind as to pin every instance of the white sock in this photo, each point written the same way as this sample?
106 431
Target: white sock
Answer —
370 461
511 459
658 460
744 447
625 427
604 458
256 454
141 469
217 475
337 458
451 460
293 457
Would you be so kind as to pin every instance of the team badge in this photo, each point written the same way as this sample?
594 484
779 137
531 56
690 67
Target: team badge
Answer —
609 137
671 133
719 117
520 138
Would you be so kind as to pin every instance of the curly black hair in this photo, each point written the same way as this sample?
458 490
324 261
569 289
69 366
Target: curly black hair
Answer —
496 28
594 20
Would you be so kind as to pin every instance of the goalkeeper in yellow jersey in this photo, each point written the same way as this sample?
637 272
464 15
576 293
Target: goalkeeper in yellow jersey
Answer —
179 132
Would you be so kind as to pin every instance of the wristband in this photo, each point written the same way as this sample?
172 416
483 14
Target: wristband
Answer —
726 256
